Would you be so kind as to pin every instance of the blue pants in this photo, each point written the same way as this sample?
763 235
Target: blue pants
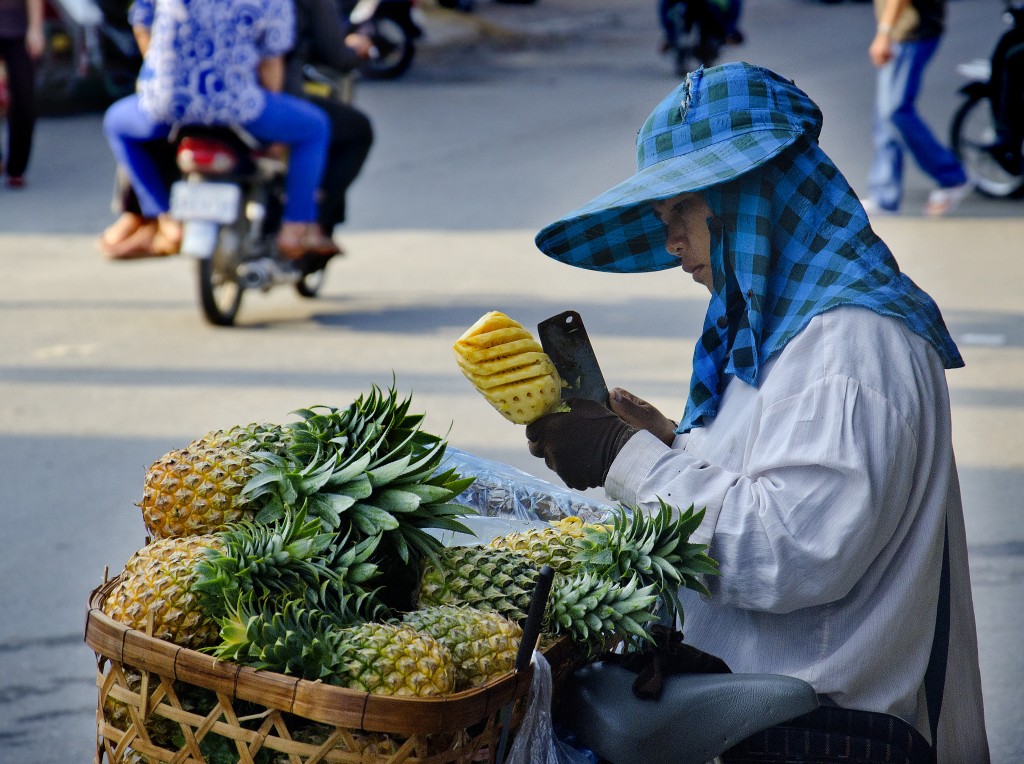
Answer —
285 119
899 127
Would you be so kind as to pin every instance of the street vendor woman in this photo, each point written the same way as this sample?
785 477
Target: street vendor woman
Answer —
817 430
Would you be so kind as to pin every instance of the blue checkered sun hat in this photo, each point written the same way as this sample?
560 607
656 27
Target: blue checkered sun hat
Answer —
717 125
788 242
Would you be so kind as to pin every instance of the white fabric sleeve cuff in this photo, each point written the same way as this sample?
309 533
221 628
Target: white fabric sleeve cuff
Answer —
629 478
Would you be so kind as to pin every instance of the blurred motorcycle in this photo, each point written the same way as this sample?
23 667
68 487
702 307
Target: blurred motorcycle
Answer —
90 54
230 200
987 129
695 32
393 27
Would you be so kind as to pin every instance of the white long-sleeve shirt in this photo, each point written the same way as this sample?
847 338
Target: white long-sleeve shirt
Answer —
826 489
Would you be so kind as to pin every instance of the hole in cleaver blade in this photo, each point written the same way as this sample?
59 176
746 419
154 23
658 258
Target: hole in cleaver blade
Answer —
564 338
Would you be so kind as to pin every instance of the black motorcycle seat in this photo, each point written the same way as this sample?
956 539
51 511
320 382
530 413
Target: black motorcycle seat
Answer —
697 717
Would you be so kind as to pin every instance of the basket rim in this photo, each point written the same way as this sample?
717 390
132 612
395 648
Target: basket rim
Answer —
324 703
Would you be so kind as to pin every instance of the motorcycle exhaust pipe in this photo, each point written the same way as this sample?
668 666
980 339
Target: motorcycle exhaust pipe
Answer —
265 273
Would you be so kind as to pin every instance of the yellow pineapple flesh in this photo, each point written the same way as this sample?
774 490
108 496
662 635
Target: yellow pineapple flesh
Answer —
553 545
509 368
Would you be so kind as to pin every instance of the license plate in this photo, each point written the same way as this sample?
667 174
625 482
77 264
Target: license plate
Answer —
217 202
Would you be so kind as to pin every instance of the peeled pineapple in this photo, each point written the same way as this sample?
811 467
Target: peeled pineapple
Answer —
509 368
553 544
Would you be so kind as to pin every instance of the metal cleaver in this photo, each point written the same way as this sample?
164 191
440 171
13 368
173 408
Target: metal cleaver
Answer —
564 338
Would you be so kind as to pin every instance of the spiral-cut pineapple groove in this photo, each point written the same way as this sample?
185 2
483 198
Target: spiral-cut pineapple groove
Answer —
509 368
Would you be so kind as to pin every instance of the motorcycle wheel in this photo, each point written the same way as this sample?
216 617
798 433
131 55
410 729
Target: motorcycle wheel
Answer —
395 50
220 292
971 132
309 285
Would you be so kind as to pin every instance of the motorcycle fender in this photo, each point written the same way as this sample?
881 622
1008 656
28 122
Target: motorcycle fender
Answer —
975 90
402 13
199 238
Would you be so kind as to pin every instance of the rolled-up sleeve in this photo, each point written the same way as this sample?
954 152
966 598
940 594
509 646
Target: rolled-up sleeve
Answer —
278 28
810 509
141 13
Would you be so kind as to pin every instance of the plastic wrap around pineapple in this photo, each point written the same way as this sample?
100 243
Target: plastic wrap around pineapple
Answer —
509 368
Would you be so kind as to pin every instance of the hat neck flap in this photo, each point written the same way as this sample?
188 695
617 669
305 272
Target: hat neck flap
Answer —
788 243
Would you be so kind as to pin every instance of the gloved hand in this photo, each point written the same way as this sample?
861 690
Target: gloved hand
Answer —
579 444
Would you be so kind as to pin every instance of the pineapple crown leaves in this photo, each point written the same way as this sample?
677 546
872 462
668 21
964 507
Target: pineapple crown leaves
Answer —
294 639
596 611
286 556
655 548
369 469
496 580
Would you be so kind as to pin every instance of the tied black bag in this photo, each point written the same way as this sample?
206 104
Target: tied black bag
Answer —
668 655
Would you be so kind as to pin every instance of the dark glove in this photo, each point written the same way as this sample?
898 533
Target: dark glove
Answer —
668 655
579 444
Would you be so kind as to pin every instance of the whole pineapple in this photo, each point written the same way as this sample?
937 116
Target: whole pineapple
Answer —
596 612
591 608
653 547
380 658
196 489
553 544
483 644
393 659
158 580
479 577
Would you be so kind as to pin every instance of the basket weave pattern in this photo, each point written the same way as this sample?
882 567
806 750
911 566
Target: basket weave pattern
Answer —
265 717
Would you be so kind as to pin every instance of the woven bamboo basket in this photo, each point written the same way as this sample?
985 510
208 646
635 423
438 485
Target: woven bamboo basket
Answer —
159 702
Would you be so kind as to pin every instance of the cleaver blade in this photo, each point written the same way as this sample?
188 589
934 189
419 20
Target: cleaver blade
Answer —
564 338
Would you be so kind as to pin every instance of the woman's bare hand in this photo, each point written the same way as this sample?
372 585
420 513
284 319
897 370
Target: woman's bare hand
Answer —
639 413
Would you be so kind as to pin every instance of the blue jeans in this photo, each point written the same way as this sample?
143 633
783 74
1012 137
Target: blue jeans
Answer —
899 127
285 119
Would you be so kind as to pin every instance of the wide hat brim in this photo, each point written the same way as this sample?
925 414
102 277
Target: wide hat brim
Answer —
618 231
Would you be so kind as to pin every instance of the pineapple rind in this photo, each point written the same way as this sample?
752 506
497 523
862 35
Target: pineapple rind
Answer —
483 644
392 659
197 489
555 544
158 579
480 577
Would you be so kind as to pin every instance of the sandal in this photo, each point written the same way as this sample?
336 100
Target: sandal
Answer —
298 239
114 235
135 246
943 201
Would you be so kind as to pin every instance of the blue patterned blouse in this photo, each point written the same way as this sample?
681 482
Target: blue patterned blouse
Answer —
201 66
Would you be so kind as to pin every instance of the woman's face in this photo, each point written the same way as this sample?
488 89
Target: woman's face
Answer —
686 223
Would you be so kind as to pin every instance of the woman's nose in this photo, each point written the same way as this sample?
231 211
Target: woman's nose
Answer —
674 243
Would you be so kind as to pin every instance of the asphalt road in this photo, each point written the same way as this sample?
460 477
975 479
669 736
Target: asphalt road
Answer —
511 116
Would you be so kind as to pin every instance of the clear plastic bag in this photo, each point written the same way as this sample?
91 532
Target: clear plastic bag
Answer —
500 490
535 741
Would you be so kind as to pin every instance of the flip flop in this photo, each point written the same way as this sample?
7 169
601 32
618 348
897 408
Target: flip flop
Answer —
943 201
293 246
147 242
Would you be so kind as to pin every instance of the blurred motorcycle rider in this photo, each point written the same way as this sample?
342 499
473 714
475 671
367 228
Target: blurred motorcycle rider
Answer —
21 43
321 40
233 53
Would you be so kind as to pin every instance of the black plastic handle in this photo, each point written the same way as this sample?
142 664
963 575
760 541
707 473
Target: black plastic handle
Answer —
535 618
